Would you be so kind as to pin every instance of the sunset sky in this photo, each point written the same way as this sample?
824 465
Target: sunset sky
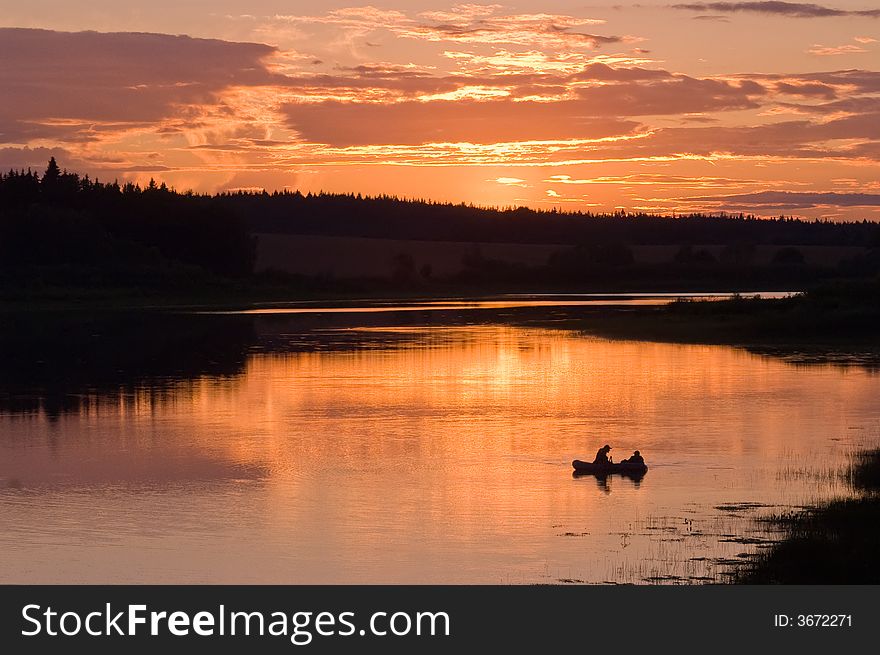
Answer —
763 107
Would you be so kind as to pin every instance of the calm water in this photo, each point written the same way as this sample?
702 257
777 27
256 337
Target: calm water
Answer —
386 447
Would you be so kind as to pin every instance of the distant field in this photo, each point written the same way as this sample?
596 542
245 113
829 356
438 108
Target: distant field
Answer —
814 255
357 256
365 257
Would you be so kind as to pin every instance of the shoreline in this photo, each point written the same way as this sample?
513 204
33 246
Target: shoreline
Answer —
243 297
844 317
833 543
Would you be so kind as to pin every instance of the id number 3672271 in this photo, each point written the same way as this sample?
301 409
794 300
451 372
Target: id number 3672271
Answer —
812 620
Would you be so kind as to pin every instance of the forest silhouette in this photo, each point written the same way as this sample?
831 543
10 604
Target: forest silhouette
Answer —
62 229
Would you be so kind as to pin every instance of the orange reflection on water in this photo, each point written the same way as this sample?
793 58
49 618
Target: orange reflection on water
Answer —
438 454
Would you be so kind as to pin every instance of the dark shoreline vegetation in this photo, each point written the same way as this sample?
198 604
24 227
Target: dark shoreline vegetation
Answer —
836 543
842 313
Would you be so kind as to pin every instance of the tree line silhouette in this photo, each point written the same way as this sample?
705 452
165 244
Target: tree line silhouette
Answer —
105 232
392 217
60 228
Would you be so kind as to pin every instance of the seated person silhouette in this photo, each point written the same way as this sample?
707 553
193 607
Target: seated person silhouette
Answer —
635 458
602 455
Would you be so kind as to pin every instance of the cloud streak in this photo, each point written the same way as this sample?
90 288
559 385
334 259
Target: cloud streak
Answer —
792 199
831 51
776 8
542 30
464 24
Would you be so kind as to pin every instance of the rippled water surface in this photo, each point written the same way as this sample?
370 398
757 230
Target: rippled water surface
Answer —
389 447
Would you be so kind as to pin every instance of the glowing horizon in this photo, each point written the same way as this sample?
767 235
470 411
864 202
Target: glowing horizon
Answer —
762 108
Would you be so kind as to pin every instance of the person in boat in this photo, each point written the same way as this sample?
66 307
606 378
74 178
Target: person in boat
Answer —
602 455
635 458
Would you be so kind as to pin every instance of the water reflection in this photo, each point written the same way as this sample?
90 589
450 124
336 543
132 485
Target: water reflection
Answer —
604 480
402 448
58 364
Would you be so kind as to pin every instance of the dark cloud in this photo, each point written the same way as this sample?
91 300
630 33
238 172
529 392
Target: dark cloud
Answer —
416 82
463 23
792 199
800 139
807 90
473 24
680 95
605 73
853 81
412 122
595 109
405 80
861 80
858 105
487 33
68 83
791 9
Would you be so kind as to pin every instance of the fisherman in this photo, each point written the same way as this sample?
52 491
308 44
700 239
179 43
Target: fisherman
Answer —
602 455
635 458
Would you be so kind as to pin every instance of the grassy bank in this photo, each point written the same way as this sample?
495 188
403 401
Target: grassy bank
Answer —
844 313
836 543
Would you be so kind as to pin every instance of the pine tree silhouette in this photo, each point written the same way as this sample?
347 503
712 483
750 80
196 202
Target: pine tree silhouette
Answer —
53 173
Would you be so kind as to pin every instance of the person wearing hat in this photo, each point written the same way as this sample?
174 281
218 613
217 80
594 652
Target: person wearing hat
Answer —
602 455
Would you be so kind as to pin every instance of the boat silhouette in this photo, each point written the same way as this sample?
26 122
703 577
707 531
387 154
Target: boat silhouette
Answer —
628 469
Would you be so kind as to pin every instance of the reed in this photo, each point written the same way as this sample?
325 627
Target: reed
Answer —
835 543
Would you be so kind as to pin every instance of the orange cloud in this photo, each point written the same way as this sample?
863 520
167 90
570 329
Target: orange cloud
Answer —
473 24
510 181
830 51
